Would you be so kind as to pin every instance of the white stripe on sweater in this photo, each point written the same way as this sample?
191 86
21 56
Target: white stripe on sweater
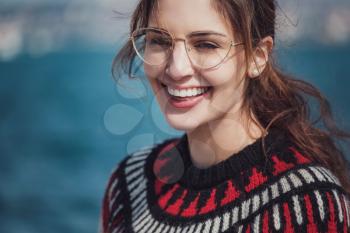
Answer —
143 222
160 228
138 199
140 208
245 208
115 212
340 211
345 201
216 226
178 229
276 217
138 220
199 228
306 175
134 173
256 202
172 229
138 190
135 159
318 174
265 196
297 209
150 227
207 226
226 222
285 184
166 229
114 184
140 153
133 183
118 229
295 180
191 228
135 166
116 195
274 190
320 204
325 174
329 174
256 226
185 229
234 215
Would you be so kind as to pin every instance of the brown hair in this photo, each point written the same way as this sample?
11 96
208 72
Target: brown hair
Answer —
275 99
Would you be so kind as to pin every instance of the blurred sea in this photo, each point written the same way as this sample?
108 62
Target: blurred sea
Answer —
56 151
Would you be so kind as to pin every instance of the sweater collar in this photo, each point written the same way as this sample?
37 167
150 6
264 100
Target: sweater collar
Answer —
250 156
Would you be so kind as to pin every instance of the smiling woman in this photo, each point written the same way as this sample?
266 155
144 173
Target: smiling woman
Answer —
251 159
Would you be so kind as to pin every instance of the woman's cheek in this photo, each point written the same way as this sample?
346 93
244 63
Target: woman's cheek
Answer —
153 72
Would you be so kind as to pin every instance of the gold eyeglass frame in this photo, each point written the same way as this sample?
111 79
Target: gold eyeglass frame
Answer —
132 38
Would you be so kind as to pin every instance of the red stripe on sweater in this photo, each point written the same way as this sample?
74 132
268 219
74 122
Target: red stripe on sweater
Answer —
231 193
174 209
248 229
210 205
342 201
168 147
332 228
280 166
300 158
158 164
265 227
163 200
289 227
311 227
256 179
191 210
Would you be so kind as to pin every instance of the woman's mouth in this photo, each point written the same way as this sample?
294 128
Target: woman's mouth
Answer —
185 97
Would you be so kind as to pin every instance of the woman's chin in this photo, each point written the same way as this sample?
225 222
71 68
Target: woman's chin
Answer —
182 123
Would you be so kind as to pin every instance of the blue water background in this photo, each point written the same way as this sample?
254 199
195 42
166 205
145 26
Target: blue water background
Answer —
56 152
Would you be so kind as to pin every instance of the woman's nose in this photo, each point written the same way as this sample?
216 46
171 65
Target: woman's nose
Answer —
179 64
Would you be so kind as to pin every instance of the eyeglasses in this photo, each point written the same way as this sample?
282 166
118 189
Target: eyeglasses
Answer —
205 50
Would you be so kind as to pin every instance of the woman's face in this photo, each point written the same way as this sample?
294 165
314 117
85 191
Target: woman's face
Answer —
225 93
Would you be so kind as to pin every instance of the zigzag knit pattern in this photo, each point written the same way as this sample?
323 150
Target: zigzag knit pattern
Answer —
158 189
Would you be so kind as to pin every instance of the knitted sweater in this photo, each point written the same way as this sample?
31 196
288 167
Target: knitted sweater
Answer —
158 189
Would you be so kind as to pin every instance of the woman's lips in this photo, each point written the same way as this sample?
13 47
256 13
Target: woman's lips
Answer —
185 102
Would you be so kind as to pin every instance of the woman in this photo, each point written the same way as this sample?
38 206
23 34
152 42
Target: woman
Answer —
250 160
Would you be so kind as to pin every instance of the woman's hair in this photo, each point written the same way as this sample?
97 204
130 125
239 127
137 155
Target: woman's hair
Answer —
274 99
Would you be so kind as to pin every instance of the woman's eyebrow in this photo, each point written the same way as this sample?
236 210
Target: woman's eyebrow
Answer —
206 33
157 28
197 33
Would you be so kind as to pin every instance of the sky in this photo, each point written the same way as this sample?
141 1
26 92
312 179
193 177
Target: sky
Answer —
41 26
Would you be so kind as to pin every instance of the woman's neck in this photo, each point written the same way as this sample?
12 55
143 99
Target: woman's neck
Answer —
217 140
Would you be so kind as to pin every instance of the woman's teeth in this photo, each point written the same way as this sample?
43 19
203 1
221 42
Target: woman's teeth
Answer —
186 92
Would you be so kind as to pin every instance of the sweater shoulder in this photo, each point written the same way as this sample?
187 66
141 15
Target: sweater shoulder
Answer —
132 167
299 195
319 209
307 198
127 175
302 175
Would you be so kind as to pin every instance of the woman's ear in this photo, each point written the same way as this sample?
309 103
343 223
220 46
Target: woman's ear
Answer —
260 57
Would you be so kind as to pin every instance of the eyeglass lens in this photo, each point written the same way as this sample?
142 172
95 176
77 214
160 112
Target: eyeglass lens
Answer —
155 46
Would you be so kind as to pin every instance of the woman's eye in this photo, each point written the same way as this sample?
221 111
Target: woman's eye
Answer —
206 45
160 41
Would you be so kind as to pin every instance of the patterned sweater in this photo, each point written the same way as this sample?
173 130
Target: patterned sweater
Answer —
158 189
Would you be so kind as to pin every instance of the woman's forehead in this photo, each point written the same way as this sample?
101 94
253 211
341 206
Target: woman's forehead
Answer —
186 16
